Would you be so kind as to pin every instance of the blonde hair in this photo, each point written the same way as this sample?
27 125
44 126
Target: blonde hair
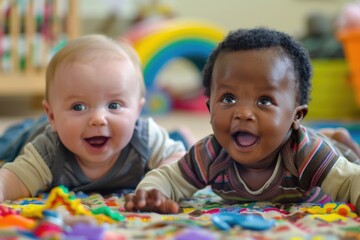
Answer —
89 47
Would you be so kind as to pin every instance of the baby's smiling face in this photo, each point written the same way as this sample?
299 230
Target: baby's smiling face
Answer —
253 104
93 106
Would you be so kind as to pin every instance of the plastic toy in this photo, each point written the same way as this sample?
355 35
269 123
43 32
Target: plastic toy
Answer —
4 211
173 39
60 196
196 233
342 209
157 101
333 217
50 226
86 231
225 221
157 43
105 210
14 220
141 217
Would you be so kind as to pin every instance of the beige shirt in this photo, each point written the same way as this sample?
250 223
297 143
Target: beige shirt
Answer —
33 171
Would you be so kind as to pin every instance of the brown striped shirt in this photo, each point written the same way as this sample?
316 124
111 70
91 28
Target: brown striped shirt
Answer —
302 165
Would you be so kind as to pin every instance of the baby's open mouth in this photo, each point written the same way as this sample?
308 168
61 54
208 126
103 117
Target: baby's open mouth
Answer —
97 142
244 139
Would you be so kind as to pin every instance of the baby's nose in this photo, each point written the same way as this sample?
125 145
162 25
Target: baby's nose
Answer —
244 113
98 118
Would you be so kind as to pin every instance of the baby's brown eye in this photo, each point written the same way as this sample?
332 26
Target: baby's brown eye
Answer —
229 99
265 101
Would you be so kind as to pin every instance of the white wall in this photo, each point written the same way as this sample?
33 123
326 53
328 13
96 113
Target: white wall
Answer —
284 15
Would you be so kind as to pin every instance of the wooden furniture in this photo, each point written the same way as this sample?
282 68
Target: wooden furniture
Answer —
31 32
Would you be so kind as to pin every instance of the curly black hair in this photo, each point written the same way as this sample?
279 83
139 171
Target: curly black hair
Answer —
257 38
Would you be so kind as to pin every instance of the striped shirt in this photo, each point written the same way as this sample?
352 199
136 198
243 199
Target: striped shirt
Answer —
302 165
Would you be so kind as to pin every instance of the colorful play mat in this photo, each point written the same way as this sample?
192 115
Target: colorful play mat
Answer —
65 215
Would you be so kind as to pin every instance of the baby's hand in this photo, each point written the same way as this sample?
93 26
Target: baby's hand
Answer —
150 201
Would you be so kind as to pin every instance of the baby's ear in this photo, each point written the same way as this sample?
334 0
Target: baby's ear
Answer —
141 105
299 114
49 113
208 104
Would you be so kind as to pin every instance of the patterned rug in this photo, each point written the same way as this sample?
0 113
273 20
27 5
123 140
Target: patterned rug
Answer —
65 215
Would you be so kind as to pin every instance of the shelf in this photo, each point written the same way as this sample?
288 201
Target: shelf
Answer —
28 25
22 85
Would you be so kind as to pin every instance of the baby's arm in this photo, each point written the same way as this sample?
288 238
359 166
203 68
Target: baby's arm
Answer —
343 136
157 188
30 170
342 182
11 187
164 150
172 158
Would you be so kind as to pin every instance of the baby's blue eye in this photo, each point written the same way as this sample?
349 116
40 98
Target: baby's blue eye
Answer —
79 107
114 106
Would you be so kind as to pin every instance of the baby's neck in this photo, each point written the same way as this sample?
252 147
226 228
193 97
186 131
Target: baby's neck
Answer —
255 178
95 171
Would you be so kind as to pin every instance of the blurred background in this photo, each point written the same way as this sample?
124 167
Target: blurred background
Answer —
173 39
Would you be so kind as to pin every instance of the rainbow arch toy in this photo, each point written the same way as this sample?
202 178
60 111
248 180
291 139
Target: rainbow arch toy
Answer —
157 43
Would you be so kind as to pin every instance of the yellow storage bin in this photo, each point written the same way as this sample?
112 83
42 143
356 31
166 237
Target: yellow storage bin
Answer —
333 95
